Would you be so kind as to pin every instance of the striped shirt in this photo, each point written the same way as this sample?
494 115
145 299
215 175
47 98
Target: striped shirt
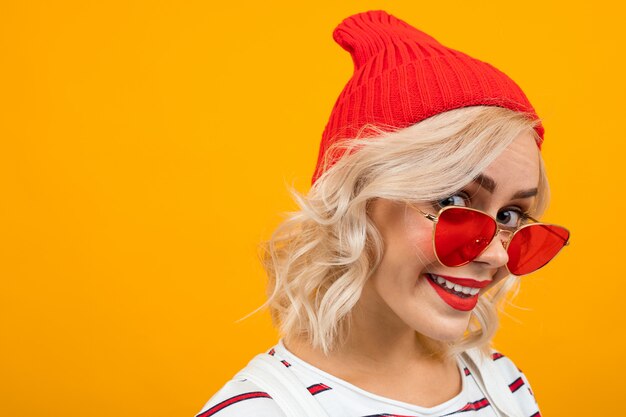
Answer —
242 398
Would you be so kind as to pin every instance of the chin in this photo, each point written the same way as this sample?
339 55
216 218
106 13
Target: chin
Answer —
445 336
444 332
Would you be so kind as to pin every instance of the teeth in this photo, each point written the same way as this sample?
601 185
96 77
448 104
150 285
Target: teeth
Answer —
456 287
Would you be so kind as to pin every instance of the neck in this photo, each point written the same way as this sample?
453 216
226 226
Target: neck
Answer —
374 342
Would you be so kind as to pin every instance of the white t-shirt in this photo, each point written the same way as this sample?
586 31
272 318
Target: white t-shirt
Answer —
242 398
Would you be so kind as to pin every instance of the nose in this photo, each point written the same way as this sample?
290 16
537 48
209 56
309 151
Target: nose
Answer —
495 255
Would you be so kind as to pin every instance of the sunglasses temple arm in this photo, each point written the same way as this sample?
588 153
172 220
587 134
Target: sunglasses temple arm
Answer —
554 233
549 230
430 217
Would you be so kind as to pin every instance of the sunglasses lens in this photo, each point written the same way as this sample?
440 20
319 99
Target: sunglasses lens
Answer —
461 235
534 246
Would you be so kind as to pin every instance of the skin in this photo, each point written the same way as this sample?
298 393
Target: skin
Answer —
382 354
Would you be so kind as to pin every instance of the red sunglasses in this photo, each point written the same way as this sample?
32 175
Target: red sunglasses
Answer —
461 234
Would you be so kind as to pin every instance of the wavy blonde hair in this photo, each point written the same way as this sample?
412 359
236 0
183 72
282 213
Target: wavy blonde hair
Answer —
320 257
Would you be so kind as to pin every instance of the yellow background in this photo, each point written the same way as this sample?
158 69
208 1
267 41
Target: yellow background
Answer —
145 149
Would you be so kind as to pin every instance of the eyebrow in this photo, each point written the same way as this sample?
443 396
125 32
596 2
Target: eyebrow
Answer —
485 182
531 192
490 185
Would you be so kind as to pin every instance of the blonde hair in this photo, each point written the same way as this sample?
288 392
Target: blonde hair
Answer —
320 257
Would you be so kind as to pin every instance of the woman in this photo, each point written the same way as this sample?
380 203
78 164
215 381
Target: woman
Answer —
420 219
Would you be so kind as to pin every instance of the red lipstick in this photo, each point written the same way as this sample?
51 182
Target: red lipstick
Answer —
458 302
466 282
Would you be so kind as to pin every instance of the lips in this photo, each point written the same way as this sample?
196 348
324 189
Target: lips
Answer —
466 282
457 299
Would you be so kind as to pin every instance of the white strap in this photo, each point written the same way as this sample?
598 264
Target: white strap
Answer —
283 386
488 378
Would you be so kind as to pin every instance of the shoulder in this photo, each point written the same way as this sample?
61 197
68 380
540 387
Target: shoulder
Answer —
240 398
507 368
516 381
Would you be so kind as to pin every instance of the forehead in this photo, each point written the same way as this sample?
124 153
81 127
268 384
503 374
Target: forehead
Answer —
517 167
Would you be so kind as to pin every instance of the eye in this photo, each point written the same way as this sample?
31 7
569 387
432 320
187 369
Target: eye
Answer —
511 217
458 199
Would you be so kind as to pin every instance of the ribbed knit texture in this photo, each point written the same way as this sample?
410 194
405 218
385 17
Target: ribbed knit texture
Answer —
403 76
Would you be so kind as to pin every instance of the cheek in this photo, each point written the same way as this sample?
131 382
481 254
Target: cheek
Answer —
419 239
408 248
500 275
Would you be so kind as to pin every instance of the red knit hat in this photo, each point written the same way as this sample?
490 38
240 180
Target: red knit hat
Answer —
403 76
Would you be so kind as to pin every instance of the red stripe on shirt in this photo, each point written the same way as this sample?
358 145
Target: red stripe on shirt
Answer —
317 388
517 384
233 400
475 406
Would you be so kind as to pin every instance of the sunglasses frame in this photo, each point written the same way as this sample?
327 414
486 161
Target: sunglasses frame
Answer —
435 219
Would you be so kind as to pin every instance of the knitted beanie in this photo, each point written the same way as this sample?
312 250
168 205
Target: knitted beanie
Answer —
403 76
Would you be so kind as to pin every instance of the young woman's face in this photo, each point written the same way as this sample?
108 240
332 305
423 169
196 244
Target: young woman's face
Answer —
403 291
